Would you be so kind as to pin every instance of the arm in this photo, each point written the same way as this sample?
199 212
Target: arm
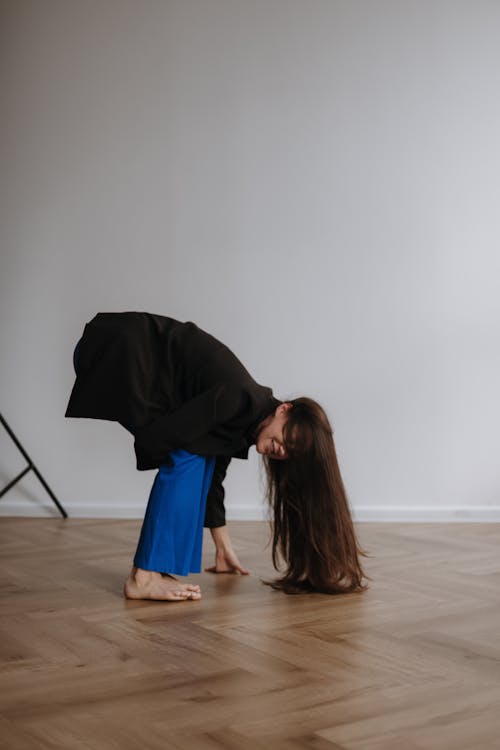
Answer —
226 560
180 427
215 513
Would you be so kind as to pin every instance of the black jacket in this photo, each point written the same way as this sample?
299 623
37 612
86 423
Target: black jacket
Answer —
174 385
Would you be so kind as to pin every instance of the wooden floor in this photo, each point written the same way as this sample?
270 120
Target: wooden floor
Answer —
412 664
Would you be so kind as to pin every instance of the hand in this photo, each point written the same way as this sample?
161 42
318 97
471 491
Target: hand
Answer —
226 561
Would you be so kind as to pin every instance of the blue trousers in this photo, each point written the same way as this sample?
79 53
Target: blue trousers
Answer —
171 538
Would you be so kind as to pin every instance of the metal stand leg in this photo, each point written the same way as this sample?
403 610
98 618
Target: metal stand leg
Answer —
30 466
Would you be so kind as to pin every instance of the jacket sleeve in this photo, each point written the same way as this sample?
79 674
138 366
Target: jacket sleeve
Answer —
180 427
215 513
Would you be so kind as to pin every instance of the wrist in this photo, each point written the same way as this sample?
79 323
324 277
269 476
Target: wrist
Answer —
220 535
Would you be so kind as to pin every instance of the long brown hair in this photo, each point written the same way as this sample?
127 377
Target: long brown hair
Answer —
312 527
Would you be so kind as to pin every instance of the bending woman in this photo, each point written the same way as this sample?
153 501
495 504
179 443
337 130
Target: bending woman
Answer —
192 406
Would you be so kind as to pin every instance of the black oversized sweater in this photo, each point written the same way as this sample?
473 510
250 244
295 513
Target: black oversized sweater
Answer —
175 386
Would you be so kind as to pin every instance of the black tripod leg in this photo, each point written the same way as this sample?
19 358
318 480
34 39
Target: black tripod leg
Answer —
14 481
54 498
31 465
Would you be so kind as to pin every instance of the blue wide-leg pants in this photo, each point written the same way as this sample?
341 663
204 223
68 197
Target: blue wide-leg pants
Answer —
171 538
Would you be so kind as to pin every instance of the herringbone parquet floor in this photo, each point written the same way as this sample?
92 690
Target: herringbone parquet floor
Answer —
411 664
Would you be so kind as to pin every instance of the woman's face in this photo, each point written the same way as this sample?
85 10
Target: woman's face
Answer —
270 437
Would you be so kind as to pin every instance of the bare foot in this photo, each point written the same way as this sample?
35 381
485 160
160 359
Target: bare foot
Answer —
148 584
190 586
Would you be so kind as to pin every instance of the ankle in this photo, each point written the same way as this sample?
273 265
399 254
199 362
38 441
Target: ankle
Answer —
144 576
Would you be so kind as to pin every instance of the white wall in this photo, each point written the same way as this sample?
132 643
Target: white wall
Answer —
315 183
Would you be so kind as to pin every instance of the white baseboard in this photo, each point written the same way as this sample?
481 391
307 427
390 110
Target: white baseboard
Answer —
361 514
423 514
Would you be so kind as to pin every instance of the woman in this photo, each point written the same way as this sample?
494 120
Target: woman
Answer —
192 406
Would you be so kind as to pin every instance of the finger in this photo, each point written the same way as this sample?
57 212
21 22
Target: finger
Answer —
214 570
238 566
